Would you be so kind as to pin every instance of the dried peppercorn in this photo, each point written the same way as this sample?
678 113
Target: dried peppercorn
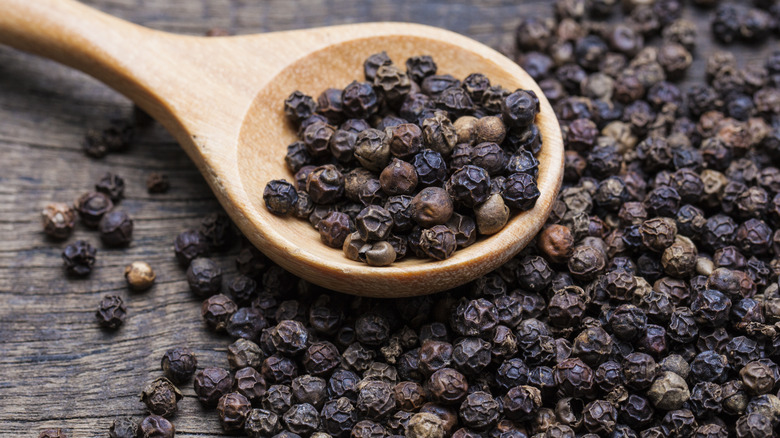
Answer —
233 409
520 403
334 229
58 220
438 242
216 311
299 106
757 377
161 397
111 312
92 206
211 384
116 228
261 422
447 386
189 245
669 391
156 426
280 197
520 108
123 427
157 182
321 358
279 369
204 277
79 258
179 364
112 185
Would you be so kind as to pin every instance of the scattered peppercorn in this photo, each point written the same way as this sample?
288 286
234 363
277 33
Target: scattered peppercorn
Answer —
139 275
156 426
116 228
647 306
58 220
179 364
123 427
161 397
157 182
111 312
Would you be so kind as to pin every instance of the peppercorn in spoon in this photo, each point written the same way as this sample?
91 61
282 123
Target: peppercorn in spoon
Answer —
222 100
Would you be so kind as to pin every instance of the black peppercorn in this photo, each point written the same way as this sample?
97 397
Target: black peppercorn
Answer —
92 206
334 229
280 197
123 427
211 384
204 277
156 426
161 397
233 409
299 106
189 245
438 242
79 258
112 185
157 183
179 364
111 312
116 228
519 109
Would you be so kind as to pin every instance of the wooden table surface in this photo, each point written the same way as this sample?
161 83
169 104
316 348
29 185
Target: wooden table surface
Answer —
57 368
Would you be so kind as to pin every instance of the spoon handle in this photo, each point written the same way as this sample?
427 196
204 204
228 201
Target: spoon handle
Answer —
125 56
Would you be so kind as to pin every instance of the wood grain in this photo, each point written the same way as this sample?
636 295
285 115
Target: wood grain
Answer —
57 369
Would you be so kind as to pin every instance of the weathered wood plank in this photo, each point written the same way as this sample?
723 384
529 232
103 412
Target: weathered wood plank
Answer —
57 369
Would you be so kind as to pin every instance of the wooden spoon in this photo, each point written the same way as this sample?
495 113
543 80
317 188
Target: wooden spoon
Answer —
222 100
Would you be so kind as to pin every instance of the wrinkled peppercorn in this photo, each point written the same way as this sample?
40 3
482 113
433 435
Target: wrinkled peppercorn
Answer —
58 220
161 397
111 312
79 258
156 426
123 427
116 228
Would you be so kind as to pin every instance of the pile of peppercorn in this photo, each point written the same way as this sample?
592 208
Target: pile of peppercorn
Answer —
409 161
648 306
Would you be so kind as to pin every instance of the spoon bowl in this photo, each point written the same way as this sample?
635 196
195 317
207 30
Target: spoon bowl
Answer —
222 100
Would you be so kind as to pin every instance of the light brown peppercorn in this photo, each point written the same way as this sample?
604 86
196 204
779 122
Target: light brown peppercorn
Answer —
377 254
757 378
669 392
679 259
465 128
438 242
372 149
404 140
352 245
432 206
439 134
58 220
425 425
139 275
556 243
658 233
492 215
398 178
490 129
